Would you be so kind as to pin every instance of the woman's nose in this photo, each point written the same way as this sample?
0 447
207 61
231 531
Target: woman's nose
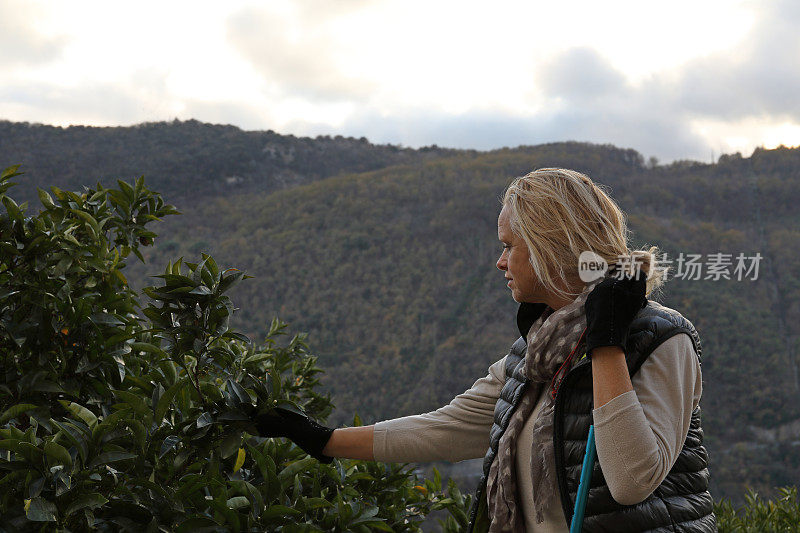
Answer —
501 263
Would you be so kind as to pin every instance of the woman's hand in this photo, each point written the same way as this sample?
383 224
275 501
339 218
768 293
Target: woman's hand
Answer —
611 307
304 431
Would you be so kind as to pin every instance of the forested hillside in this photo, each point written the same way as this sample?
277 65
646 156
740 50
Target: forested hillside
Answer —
190 158
392 271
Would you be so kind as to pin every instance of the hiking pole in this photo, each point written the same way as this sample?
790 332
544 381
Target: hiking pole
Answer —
583 486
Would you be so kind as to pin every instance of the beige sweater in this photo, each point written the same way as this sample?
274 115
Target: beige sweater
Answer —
638 434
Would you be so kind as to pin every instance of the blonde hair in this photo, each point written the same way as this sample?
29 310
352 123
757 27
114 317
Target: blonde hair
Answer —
560 213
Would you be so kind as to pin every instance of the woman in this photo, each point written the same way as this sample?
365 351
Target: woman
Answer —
595 351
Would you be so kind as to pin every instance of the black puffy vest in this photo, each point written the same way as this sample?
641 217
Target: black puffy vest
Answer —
681 502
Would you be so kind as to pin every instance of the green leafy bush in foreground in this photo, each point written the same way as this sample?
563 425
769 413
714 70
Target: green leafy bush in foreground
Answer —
113 421
759 515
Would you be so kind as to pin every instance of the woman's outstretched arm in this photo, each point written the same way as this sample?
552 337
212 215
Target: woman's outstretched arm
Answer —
457 431
454 432
351 443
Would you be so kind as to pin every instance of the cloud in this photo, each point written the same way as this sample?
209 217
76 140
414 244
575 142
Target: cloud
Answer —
667 137
580 95
359 68
239 114
20 42
582 75
585 99
98 103
761 76
296 52
141 96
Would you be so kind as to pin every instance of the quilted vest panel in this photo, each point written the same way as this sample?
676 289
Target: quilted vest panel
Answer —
681 503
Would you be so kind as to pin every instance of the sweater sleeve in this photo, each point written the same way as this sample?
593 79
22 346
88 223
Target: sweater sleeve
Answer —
640 432
457 431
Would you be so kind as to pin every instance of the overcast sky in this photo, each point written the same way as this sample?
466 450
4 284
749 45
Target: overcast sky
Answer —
675 80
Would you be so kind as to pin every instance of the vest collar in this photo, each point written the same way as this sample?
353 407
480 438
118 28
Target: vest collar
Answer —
527 315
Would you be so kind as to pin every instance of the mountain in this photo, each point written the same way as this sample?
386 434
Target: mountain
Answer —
392 272
189 158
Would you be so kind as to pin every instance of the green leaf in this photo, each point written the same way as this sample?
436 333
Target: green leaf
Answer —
58 452
105 319
252 493
230 444
258 457
23 448
298 466
111 457
10 172
166 399
372 524
275 382
45 198
12 208
81 412
90 221
236 335
197 524
190 484
127 190
231 517
237 502
92 500
239 460
110 422
16 410
201 289
212 267
147 347
233 415
40 510
75 436
47 386
136 402
279 511
316 503
176 279
128 509
139 432
204 420
169 443
169 371
229 281
239 394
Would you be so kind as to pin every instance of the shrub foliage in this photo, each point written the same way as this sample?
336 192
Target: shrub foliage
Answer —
757 515
124 415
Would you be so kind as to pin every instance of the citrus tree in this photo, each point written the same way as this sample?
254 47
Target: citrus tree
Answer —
119 414
759 515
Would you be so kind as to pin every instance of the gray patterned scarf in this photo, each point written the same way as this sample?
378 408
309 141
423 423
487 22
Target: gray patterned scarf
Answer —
551 338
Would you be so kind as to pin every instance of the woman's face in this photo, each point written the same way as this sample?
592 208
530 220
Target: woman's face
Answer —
514 262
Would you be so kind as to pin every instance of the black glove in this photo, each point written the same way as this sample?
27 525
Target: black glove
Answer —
611 307
301 429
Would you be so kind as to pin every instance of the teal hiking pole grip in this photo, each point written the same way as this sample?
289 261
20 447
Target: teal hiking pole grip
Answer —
583 486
